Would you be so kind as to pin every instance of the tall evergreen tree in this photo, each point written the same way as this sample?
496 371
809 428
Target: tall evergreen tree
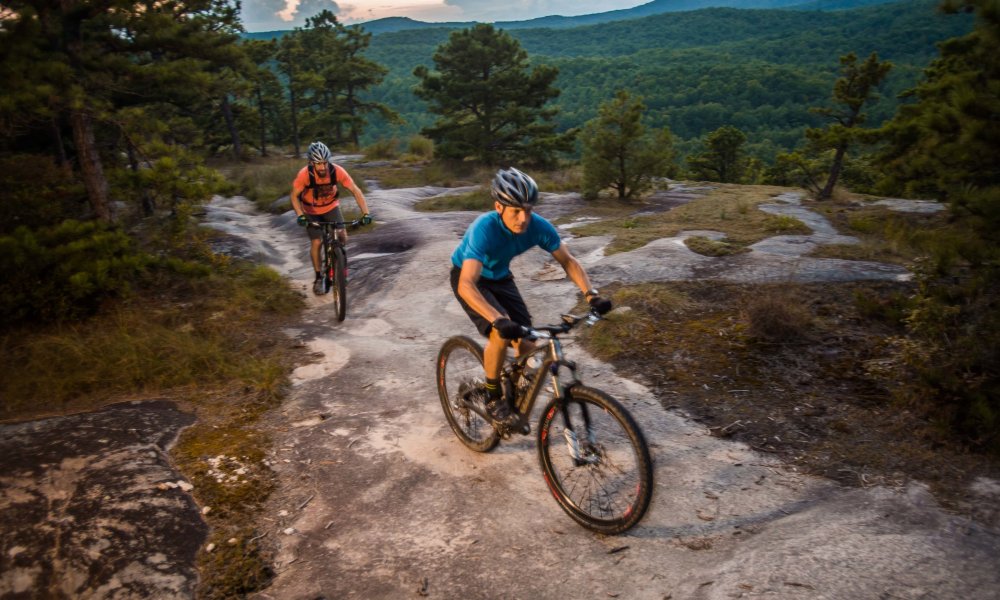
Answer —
619 153
266 92
329 77
83 62
492 107
360 74
291 63
852 91
945 146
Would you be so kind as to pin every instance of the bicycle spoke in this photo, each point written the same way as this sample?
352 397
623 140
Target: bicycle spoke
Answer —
460 381
607 485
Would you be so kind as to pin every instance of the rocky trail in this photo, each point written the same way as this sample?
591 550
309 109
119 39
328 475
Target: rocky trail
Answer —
378 499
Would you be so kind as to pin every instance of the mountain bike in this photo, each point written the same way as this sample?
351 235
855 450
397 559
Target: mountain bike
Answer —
333 262
592 453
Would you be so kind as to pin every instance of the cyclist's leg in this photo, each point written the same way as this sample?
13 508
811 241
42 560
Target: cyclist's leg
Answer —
315 240
337 216
496 347
509 297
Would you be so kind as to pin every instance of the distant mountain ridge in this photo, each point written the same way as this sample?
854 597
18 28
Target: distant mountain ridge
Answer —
656 7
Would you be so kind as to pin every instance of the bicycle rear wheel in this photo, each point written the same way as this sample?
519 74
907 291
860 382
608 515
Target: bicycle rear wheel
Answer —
460 381
605 482
338 281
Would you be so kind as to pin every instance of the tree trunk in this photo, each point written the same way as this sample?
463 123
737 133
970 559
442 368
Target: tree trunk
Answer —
263 122
148 203
352 110
57 138
90 164
838 163
295 120
227 113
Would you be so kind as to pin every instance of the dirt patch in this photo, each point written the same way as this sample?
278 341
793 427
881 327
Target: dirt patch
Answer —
818 394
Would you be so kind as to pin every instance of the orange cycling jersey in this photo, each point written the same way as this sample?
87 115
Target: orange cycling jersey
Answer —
319 194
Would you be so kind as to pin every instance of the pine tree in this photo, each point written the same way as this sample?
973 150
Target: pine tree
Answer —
491 107
723 159
945 143
853 90
619 153
83 63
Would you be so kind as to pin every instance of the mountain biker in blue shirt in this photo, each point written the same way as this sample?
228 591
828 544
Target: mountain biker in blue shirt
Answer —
484 285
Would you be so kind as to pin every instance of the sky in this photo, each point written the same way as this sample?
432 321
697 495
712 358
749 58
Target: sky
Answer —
272 15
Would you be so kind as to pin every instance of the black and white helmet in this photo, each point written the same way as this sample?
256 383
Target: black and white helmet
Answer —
318 152
511 187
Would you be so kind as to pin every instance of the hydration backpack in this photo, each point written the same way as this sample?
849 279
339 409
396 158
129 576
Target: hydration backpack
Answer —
324 194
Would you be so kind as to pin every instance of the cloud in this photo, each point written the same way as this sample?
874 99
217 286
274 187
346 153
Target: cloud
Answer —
271 15
261 15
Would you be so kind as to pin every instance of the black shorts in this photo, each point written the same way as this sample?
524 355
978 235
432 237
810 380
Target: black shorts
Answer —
333 216
502 294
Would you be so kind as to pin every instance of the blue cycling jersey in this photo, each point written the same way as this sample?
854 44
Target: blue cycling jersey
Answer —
490 242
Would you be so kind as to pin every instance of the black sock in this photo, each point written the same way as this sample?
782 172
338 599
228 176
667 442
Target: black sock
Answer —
493 387
319 275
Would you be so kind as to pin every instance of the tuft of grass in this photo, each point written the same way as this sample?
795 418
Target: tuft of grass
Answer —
784 224
709 247
777 316
640 310
476 200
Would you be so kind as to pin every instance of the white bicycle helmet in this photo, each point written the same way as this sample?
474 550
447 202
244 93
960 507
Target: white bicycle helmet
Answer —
511 187
318 152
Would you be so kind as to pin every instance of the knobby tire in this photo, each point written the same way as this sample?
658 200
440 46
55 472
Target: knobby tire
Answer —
459 369
609 493
338 281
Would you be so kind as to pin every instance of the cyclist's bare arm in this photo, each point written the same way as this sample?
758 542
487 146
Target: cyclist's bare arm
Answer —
574 270
296 205
359 196
471 270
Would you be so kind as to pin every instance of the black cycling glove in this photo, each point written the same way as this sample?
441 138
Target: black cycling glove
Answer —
600 305
508 330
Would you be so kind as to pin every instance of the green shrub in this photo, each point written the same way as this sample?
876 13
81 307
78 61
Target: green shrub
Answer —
385 149
952 356
64 272
421 147
37 192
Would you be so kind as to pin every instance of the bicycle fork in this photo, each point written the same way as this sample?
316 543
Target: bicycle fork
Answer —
581 453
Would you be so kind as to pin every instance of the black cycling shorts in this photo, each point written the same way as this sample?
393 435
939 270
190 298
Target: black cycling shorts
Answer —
332 216
502 294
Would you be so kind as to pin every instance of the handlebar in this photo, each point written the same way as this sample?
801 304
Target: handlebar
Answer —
569 321
324 224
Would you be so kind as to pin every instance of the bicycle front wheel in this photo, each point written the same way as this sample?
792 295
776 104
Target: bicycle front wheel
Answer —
338 281
601 475
460 381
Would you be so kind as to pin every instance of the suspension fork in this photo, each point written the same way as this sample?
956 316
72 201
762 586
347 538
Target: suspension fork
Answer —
564 394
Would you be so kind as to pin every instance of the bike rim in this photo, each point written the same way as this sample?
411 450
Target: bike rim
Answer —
461 371
602 484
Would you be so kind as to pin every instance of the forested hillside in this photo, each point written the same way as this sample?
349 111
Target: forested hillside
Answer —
759 70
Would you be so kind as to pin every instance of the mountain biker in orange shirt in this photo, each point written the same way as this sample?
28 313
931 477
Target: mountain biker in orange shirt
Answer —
315 197
482 281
